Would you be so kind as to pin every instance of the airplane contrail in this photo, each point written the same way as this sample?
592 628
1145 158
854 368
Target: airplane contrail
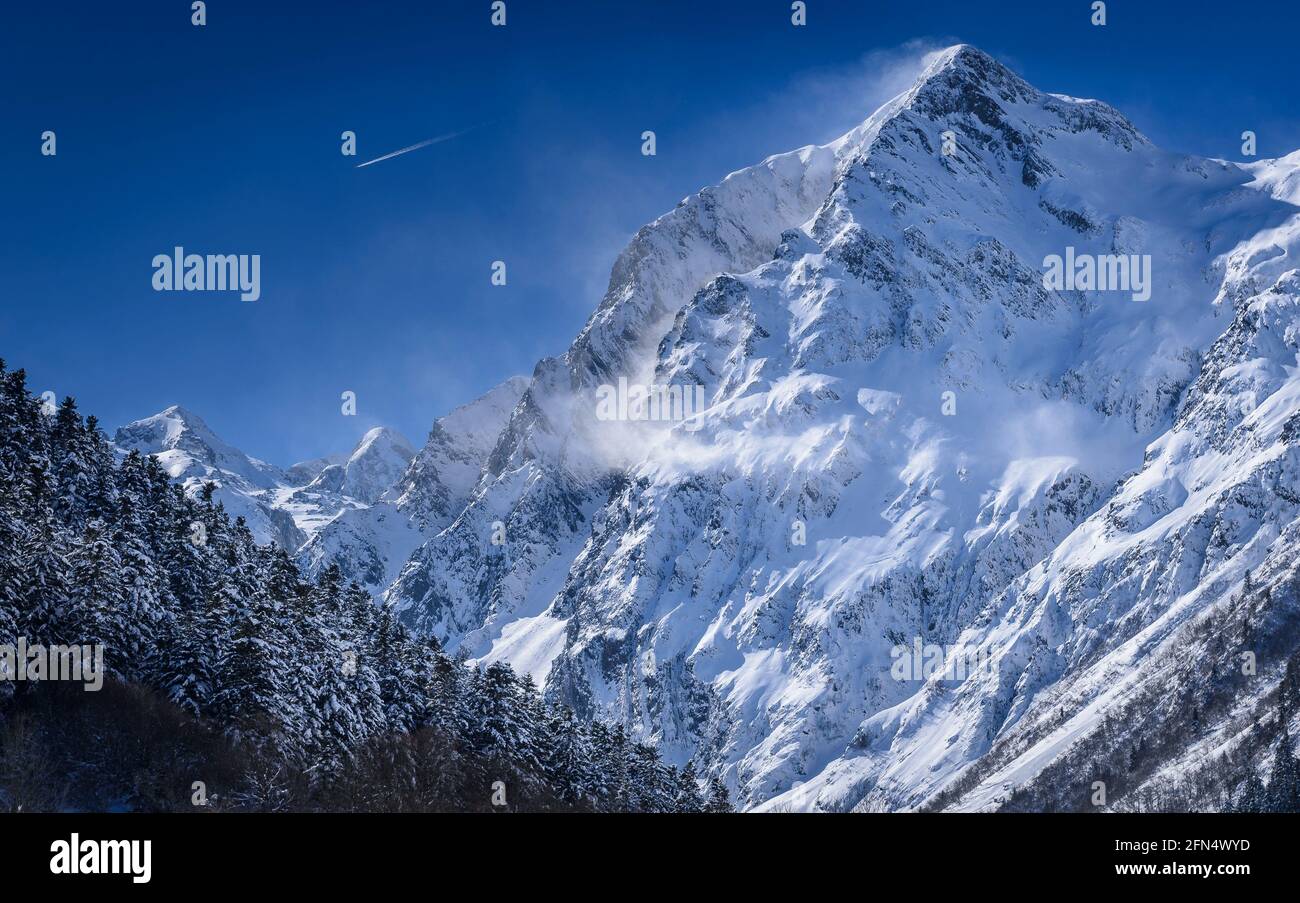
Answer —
407 150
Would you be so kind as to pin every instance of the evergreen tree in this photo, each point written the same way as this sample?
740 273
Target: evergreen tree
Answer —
1288 692
719 799
449 698
42 583
185 668
71 452
99 485
339 726
567 756
612 764
689 798
95 598
23 440
530 717
10 582
1252 795
497 731
651 787
361 661
144 590
1283 794
10 586
250 697
398 666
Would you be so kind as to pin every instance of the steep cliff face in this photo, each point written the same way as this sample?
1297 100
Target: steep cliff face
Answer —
555 463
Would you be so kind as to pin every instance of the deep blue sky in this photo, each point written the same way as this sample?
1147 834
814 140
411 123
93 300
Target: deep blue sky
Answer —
225 139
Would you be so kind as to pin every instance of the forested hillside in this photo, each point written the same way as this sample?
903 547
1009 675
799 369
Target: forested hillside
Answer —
227 668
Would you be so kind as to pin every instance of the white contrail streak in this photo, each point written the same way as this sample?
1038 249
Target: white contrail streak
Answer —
407 150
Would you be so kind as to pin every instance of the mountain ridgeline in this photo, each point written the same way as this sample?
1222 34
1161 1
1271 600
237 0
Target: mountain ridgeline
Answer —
227 671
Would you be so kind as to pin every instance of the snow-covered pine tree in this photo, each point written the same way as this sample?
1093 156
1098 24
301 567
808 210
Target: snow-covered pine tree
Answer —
612 763
497 731
398 668
719 798
450 697
1251 799
11 538
653 785
70 453
23 434
95 599
144 590
358 628
100 485
250 696
689 798
338 723
567 756
1288 692
530 719
42 567
184 667
1283 794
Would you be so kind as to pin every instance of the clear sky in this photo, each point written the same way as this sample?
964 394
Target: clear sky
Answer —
226 139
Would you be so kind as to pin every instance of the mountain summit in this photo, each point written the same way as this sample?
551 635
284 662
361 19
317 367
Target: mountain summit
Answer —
378 461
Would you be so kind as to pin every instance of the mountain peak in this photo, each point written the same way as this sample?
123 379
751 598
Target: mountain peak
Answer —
189 450
962 56
172 427
180 415
377 462
963 79
385 437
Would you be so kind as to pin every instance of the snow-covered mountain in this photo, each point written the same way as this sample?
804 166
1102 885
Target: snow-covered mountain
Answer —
285 506
907 436
365 511
192 455
378 462
371 544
